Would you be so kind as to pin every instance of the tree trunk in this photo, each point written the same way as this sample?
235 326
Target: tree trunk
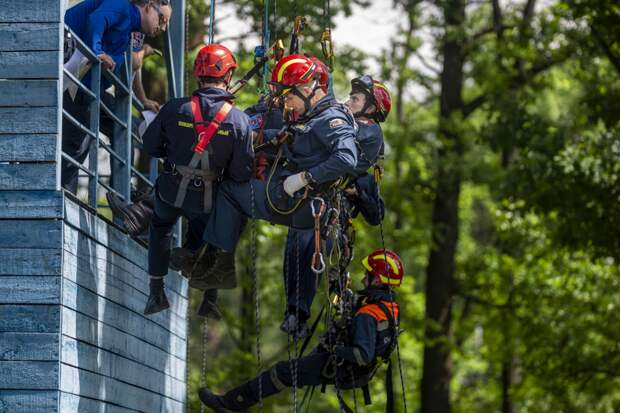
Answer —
437 370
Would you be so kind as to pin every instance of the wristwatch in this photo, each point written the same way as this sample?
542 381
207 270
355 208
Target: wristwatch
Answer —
308 177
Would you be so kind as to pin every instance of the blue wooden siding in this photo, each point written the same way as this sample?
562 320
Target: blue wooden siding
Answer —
72 287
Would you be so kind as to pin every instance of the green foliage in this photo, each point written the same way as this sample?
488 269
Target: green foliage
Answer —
535 307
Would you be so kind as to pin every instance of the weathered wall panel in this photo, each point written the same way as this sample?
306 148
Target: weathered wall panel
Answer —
28 93
29 37
28 148
30 11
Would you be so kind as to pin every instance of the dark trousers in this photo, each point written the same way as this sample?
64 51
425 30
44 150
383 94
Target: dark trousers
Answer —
297 261
164 218
236 201
75 142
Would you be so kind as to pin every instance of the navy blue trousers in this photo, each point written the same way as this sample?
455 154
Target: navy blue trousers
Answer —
161 229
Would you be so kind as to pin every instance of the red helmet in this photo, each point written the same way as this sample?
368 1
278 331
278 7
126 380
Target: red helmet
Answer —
292 70
322 73
390 274
214 60
378 94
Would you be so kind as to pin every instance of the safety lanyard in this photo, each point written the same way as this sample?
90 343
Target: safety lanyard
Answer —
206 133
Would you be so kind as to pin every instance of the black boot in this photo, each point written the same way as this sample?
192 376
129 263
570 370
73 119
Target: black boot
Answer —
294 327
242 397
216 269
157 300
208 308
136 217
182 259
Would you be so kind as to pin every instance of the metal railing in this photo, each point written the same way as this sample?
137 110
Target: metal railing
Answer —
124 139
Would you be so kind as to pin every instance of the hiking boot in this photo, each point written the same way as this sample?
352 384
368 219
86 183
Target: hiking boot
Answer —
157 300
182 259
136 217
215 269
295 328
208 308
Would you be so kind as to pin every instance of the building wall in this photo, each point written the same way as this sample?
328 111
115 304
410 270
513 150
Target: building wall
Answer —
72 286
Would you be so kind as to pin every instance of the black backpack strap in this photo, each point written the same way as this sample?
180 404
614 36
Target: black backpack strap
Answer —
389 389
366 394
393 326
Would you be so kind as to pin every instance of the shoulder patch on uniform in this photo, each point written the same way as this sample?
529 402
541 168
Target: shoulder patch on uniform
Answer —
256 121
334 123
185 124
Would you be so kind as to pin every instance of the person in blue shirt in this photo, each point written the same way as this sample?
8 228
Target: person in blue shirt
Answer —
321 150
106 26
370 103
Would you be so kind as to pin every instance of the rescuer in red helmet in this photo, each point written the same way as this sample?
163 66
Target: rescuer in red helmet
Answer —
362 336
319 151
202 140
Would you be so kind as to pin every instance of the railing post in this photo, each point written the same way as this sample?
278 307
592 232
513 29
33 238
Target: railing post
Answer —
121 141
93 158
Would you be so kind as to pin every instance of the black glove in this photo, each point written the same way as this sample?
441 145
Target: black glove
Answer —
157 300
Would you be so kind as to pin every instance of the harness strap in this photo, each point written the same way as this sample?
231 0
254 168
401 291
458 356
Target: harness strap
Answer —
201 156
389 389
205 133
366 394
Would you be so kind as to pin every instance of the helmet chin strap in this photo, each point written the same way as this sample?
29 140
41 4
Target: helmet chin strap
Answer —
306 99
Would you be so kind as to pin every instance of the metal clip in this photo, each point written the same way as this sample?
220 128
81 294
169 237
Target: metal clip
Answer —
328 46
315 213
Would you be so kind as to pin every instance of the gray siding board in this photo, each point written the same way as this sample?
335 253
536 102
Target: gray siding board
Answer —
96 360
30 261
96 333
17 233
31 204
93 266
30 11
96 386
115 240
27 176
72 403
28 120
118 286
101 309
30 290
28 93
28 148
29 36
29 375
30 401
29 319
29 346
29 65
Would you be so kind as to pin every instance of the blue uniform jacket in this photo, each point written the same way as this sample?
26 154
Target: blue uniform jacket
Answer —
370 141
105 25
172 136
370 333
324 142
260 115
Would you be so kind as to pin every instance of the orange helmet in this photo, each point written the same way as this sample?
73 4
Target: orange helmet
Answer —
377 94
290 71
214 60
391 274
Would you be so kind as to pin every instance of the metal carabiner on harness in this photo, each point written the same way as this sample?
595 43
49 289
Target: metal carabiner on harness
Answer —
328 47
317 257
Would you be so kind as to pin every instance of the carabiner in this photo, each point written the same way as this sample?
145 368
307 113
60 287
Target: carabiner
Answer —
321 210
321 261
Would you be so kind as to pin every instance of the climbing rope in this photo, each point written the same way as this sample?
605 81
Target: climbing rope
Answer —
378 173
211 21
253 270
203 373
